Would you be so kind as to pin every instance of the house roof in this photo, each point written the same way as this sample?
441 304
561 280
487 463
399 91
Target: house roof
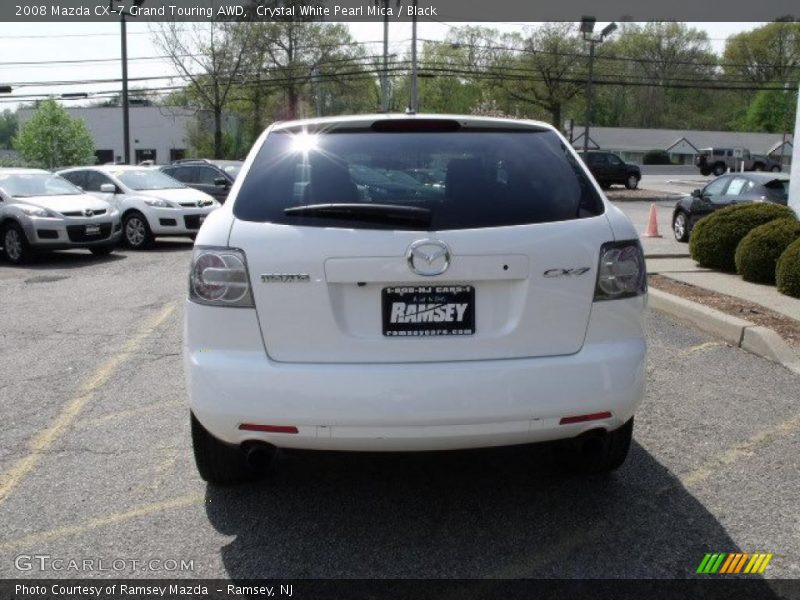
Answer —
641 140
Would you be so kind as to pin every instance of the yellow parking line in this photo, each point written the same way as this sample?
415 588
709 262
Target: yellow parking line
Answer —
112 519
41 442
746 448
703 346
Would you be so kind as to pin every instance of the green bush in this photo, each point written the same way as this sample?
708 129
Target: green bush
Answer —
656 157
759 251
787 273
715 237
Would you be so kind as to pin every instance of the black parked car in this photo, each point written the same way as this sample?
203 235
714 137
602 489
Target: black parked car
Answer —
608 169
733 188
214 177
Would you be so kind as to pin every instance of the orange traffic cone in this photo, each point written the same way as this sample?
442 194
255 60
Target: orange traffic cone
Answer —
652 224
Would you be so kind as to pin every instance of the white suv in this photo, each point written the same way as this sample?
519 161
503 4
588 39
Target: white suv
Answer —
500 304
152 203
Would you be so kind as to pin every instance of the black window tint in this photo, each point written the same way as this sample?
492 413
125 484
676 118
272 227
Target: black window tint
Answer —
94 180
777 189
182 174
482 179
614 160
77 178
206 175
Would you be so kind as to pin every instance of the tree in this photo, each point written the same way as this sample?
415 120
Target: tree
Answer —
51 138
8 128
210 55
766 54
668 63
771 111
549 73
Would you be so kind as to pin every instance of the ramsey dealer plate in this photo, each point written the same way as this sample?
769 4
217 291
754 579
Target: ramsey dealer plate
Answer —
428 310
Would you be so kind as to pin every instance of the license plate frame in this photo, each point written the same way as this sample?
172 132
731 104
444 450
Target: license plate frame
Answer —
92 230
428 310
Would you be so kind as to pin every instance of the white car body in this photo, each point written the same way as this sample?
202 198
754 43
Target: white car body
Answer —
61 220
163 221
311 363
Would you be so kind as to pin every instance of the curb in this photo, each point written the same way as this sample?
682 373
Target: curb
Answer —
753 338
672 255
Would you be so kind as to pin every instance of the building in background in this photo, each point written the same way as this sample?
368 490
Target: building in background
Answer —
158 133
681 144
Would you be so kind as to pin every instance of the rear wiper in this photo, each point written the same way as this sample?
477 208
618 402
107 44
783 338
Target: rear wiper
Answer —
376 213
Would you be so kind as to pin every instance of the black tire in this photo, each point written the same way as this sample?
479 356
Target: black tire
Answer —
776 169
719 169
136 232
16 248
680 229
605 185
218 463
102 250
594 454
632 182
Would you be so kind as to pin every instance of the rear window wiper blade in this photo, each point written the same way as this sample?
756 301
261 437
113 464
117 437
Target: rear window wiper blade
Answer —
399 213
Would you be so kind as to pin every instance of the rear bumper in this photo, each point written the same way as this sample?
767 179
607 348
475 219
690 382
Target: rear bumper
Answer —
410 406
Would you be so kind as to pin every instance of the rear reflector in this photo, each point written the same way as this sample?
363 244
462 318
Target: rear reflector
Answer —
584 418
268 428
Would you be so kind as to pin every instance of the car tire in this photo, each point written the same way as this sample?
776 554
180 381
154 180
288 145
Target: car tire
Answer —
680 226
102 250
135 231
594 453
776 169
16 248
632 182
605 185
719 169
217 462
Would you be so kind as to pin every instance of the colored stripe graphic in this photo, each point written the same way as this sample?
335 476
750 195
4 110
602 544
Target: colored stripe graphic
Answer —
703 563
735 562
727 564
764 564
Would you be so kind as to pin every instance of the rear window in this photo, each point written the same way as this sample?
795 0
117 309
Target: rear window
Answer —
465 179
778 189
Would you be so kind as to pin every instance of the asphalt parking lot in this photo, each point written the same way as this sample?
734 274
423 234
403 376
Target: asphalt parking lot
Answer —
95 460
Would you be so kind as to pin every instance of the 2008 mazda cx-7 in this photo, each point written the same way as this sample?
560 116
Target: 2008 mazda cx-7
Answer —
337 301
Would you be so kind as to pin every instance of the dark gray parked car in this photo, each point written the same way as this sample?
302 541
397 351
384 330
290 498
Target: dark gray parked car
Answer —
214 177
734 188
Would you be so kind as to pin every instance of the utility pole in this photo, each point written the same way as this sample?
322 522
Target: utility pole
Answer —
413 105
126 117
126 123
587 28
315 82
385 74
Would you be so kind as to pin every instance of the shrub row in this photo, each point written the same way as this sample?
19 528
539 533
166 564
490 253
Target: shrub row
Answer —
760 241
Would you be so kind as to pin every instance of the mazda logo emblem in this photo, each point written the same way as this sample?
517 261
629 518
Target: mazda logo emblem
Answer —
428 257
88 212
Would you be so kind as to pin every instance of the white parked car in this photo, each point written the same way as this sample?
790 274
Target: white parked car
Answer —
503 306
41 211
152 203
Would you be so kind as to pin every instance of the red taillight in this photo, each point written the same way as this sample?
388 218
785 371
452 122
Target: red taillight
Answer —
268 428
584 418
